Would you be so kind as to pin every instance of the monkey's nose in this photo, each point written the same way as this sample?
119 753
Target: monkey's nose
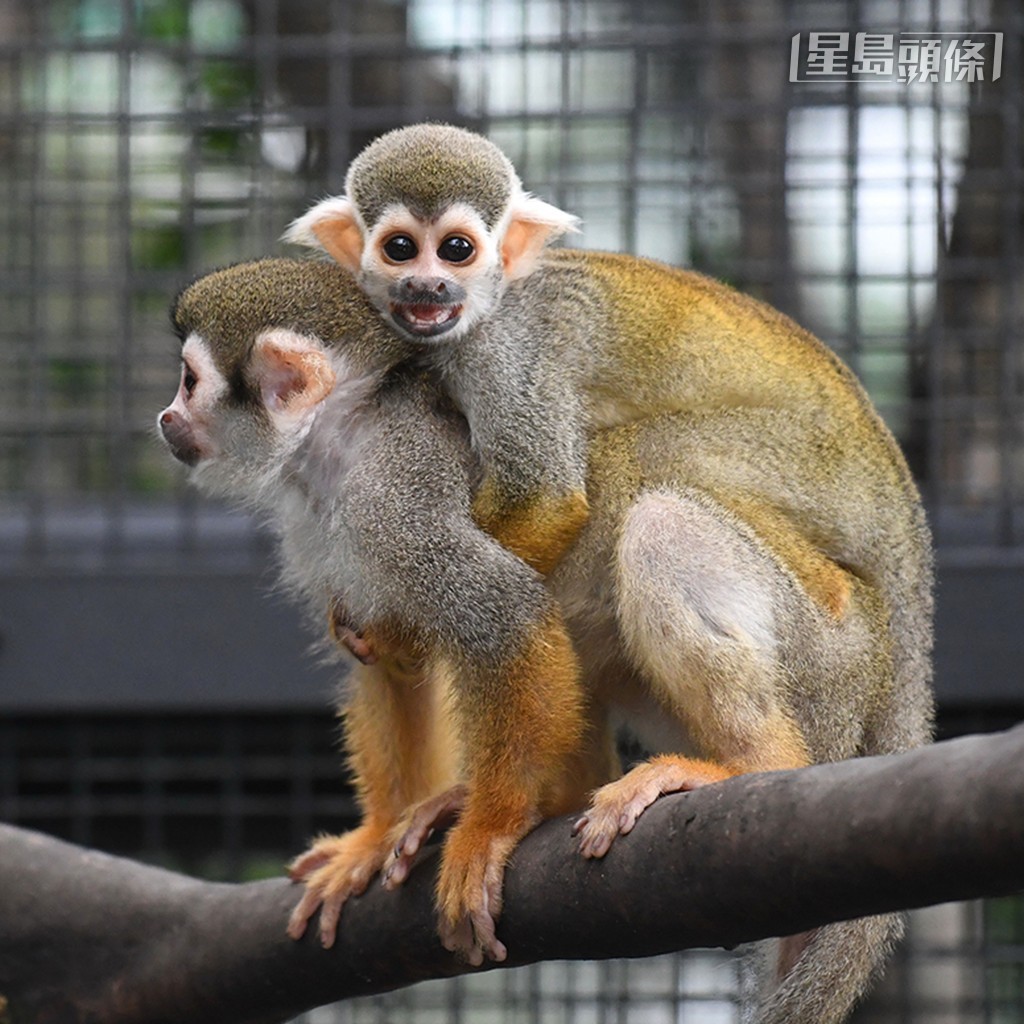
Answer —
423 289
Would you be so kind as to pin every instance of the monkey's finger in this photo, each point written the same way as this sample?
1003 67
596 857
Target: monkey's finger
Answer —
438 812
322 851
457 937
303 911
357 646
409 845
330 914
396 870
595 843
486 916
485 939
302 867
599 832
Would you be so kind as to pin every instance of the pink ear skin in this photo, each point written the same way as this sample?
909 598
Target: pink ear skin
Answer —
292 380
532 225
338 231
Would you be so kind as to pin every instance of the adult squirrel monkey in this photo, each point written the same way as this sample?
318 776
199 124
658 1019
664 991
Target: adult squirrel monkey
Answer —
751 591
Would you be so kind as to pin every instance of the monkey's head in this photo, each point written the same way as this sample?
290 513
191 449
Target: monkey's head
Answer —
434 222
263 344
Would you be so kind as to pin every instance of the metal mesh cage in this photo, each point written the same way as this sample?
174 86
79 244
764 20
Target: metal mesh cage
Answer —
142 141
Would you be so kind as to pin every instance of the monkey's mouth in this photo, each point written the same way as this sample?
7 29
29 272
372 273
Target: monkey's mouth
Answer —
426 319
179 440
187 453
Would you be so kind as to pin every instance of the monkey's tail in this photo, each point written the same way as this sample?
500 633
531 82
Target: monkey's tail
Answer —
833 972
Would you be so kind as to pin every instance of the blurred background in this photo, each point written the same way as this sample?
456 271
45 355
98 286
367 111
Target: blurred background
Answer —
156 698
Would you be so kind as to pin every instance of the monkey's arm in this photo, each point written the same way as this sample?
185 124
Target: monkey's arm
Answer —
528 430
432 579
539 529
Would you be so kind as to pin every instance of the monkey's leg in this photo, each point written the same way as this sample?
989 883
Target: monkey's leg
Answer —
699 603
519 721
723 633
400 753
592 764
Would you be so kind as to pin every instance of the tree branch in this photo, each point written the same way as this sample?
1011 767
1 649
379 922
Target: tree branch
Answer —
89 937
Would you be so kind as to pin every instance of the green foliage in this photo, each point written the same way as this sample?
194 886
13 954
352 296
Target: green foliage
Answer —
76 382
158 247
228 83
165 20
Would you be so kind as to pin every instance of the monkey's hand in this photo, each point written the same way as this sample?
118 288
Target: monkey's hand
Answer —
615 808
469 890
416 828
539 531
344 633
334 869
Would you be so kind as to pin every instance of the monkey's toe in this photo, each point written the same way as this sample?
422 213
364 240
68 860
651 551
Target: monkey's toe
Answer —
617 806
469 894
335 869
417 827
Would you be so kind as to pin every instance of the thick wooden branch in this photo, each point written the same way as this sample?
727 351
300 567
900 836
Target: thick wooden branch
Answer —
89 937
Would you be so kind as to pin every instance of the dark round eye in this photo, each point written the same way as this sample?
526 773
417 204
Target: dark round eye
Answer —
455 249
189 381
400 248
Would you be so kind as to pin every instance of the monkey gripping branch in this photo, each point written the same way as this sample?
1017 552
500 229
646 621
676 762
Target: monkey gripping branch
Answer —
89 937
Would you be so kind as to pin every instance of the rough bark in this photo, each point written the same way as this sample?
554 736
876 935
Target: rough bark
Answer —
89 937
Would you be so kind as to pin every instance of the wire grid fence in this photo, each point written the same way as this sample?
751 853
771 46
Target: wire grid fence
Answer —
146 141
233 797
142 141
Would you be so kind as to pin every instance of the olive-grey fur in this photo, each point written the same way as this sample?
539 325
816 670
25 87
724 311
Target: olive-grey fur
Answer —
810 446
427 167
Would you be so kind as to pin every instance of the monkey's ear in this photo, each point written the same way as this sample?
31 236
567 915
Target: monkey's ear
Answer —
333 226
532 224
294 374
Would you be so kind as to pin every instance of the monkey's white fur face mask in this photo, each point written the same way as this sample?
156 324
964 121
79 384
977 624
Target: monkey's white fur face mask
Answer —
431 280
238 446
434 279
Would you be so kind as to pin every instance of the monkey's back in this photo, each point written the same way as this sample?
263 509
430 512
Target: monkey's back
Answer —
776 428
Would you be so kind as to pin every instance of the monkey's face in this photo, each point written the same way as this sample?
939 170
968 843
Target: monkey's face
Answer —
235 434
192 424
432 279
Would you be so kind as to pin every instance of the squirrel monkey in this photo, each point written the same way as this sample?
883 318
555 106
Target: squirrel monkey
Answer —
291 400
693 594
435 225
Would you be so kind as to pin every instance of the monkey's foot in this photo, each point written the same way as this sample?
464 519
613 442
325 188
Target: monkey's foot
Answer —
469 891
615 808
334 869
416 828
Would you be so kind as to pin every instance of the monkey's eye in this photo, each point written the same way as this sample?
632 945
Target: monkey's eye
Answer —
188 380
455 249
400 248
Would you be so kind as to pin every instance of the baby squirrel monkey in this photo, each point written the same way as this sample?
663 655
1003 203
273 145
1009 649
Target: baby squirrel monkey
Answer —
693 593
435 225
